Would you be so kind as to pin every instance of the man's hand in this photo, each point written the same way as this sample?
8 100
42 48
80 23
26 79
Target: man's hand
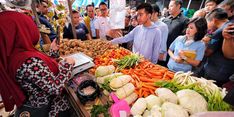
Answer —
206 40
115 33
54 45
161 56
226 32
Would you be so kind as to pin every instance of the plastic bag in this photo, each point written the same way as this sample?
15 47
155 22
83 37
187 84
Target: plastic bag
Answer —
117 14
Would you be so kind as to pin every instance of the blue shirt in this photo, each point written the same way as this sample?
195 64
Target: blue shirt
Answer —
146 41
81 32
46 22
179 44
164 31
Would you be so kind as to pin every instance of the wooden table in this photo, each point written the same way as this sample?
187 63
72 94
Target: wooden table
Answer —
78 106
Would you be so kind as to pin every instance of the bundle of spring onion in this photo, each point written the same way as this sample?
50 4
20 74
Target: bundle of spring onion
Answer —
212 93
128 61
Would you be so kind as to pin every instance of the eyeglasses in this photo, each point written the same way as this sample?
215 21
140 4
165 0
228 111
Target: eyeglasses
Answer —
103 9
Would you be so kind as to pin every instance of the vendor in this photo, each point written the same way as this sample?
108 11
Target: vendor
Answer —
29 79
81 30
179 61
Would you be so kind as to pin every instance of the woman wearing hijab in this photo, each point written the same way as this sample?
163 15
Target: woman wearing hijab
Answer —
29 79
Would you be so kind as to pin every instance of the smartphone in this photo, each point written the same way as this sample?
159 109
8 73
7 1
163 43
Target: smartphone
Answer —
58 35
231 33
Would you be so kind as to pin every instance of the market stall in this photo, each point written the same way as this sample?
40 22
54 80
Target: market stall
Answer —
131 85
112 81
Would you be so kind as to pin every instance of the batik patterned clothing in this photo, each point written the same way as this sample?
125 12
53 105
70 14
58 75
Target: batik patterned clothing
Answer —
41 86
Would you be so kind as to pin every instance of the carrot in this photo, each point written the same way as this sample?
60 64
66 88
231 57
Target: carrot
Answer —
151 91
164 76
144 89
133 82
162 70
157 77
150 87
149 83
171 75
155 80
155 73
138 73
136 77
137 92
146 65
145 94
145 79
140 93
138 85
147 73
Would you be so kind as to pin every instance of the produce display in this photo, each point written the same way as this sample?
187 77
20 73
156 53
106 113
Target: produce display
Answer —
212 93
187 102
117 83
92 48
149 89
145 74
108 56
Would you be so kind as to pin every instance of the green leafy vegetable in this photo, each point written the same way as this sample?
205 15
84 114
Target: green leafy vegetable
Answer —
106 85
128 61
99 109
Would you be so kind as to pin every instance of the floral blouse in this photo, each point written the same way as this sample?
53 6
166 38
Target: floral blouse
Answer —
41 86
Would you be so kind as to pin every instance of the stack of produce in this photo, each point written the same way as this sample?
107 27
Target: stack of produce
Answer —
145 74
116 82
168 104
211 92
92 48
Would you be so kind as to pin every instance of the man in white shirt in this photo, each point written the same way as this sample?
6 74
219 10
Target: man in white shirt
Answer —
89 20
102 24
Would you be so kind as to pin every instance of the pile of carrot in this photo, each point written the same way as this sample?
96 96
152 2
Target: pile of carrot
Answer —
145 74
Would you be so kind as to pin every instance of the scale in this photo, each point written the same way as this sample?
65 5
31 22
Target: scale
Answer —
82 62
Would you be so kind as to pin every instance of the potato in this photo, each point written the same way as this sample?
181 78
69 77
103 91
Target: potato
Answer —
67 53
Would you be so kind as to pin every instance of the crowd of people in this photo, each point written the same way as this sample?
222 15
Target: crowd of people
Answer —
33 81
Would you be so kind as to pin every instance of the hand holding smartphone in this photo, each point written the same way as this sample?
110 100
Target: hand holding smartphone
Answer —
228 32
231 29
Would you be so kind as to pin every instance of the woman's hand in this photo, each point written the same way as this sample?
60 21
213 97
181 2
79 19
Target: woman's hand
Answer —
54 46
178 60
181 53
70 60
